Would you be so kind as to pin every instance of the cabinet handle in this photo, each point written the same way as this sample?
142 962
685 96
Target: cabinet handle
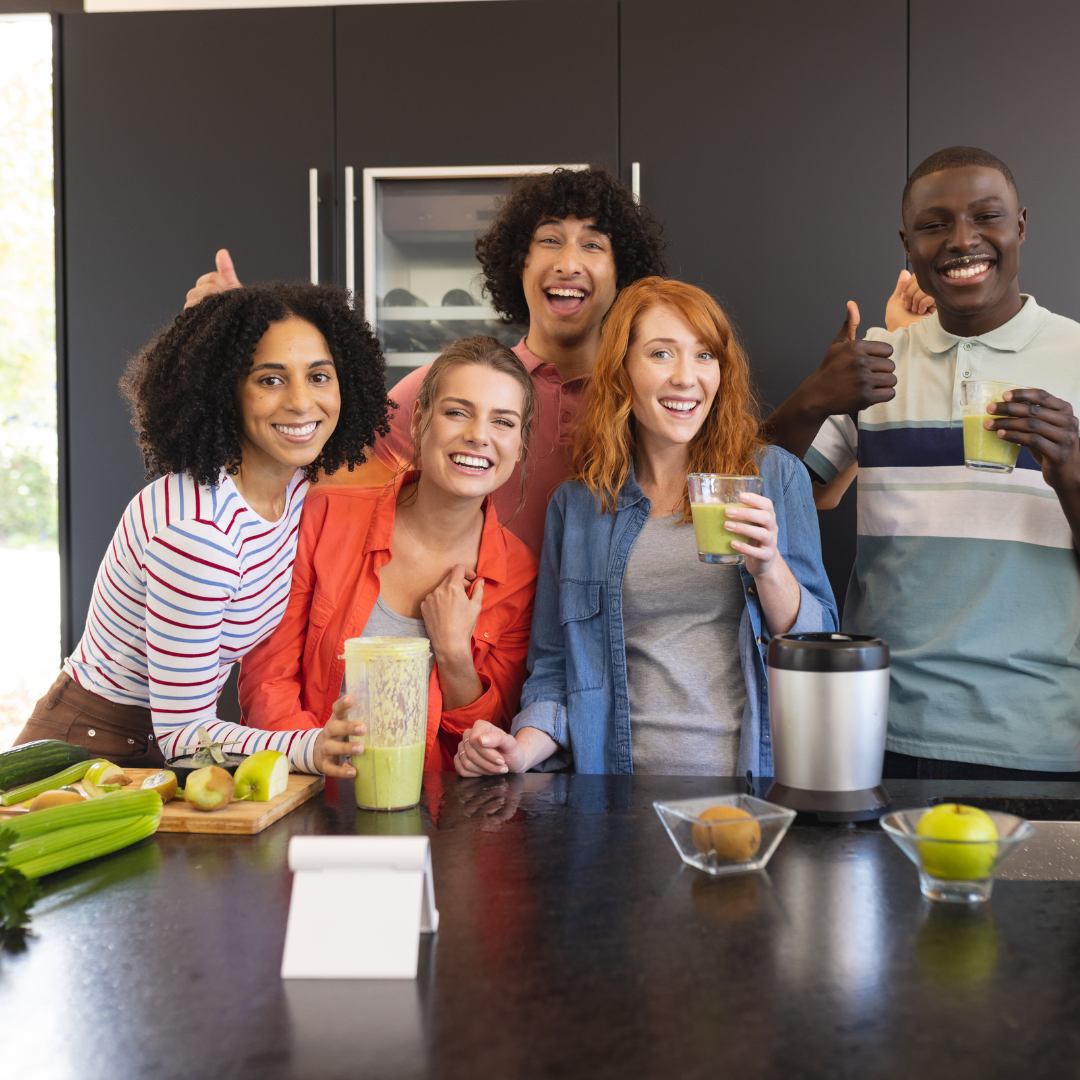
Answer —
635 181
350 234
313 222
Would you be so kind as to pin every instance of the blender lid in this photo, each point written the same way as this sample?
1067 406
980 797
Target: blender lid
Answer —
828 652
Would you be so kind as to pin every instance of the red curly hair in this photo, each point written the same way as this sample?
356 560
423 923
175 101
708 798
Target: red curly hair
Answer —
729 440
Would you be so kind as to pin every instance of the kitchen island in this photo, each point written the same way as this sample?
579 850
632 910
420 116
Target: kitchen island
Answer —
573 943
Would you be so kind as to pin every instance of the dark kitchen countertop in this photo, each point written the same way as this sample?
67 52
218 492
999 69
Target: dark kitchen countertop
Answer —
573 943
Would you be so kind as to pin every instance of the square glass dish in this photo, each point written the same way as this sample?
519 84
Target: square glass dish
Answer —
958 871
725 834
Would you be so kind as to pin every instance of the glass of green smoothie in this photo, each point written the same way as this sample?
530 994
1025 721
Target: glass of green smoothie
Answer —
711 496
982 447
388 679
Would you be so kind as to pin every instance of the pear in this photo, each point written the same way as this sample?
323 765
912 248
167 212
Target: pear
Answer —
262 776
209 789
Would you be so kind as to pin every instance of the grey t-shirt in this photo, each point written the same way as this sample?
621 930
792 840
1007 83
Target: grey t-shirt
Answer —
681 623
383 622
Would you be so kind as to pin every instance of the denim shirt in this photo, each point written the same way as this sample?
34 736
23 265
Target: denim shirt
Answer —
577 691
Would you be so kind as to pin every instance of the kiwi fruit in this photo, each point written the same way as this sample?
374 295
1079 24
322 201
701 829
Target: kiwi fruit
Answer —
735 836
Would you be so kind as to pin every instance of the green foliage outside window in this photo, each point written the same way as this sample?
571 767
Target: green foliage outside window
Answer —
27 318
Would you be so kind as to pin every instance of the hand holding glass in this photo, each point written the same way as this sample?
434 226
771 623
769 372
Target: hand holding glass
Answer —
983 449
711 495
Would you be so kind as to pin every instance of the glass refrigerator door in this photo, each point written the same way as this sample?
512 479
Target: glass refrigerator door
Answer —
422 282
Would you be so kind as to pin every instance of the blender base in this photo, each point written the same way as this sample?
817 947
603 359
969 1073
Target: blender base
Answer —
867 804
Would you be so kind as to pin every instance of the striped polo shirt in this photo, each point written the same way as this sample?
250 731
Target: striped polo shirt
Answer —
192 580
971 577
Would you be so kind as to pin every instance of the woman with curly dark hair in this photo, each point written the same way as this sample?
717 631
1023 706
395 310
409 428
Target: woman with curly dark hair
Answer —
561 246
238 404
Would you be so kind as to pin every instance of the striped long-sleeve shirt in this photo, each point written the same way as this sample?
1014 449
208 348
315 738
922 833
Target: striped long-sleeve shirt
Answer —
192 580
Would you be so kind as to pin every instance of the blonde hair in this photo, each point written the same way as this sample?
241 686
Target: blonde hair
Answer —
486 352
729 439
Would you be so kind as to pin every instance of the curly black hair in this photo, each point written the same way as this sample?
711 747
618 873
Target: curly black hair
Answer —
182 386
585 193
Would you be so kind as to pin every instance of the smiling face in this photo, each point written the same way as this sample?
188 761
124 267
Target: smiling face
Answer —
962 232
569 279
674 376
290 400
473 437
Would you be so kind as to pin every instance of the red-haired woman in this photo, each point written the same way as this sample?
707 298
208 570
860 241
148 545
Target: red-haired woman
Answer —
642 657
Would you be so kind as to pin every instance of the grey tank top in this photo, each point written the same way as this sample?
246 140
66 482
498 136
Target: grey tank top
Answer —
681 623
382 622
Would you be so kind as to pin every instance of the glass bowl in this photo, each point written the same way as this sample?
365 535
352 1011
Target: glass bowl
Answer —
957 871
720 846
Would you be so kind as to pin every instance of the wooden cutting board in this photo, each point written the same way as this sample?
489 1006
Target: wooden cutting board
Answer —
236 818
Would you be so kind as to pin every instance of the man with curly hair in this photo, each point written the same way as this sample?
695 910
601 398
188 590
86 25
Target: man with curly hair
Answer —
560 248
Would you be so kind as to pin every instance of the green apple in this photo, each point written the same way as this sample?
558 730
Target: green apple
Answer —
969 852
262 776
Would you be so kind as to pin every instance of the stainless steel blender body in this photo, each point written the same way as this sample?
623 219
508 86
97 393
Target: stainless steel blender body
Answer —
828 728
828 715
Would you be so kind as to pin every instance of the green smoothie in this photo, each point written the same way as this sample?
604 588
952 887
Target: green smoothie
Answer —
710 529
389 777
983 445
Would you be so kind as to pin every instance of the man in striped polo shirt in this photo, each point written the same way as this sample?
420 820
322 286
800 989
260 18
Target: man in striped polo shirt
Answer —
972 577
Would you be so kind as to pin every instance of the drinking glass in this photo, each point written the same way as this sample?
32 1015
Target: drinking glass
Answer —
982 447
711 495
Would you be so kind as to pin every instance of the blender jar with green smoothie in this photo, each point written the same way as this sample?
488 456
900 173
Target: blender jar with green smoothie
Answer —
388 680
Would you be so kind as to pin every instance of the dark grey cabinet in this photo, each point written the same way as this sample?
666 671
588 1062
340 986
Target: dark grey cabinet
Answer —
773 139
770 136
180 133
468 84
1022 106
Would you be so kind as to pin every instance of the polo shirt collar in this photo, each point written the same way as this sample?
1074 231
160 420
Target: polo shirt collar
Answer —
527 356
491 563
532 362
1013 336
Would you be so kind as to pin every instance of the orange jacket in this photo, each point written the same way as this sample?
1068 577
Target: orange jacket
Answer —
291 680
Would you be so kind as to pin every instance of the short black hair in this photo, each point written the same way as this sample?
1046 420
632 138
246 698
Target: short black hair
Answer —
582 193
182 386
957 157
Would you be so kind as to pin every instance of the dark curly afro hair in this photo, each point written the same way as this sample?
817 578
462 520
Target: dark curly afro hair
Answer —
587 193
182 386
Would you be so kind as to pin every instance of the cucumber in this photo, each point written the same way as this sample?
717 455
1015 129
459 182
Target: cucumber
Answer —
34 761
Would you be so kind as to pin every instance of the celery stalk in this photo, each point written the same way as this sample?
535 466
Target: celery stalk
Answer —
72 774
62 855
114 807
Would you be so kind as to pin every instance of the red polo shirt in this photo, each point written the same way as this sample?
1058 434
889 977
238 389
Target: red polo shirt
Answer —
557 406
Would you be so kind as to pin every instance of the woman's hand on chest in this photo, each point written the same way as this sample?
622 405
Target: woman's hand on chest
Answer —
450 615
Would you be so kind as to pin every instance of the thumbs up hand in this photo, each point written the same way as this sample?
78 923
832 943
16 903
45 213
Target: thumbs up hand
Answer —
224 277
854 374
908 303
